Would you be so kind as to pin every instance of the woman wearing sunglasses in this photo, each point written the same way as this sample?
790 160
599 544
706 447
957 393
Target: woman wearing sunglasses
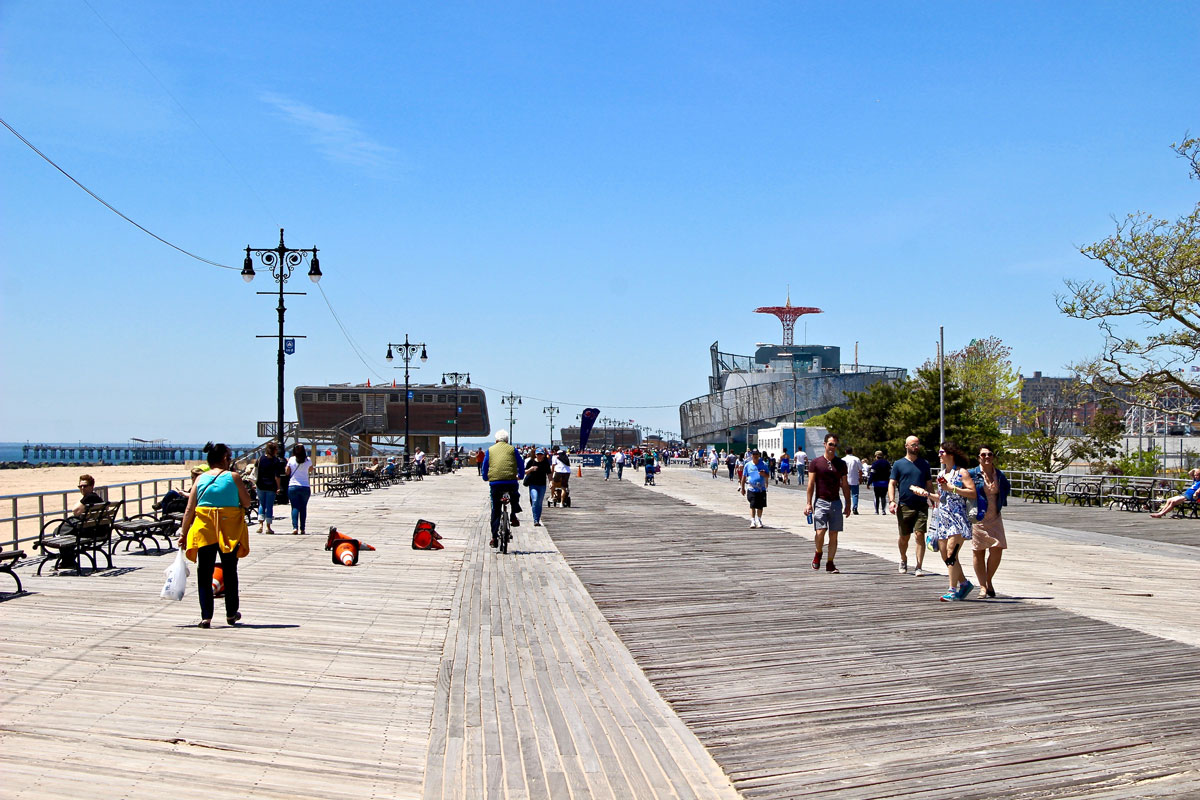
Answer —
989 543
949 525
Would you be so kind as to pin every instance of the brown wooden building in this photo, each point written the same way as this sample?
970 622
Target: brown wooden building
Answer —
377 412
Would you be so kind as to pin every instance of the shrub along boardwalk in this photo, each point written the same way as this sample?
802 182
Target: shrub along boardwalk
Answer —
858 685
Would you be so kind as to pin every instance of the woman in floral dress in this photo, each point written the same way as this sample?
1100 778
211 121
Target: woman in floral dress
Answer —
950 526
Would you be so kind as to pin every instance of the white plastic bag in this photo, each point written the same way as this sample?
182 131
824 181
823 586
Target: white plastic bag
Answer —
176 574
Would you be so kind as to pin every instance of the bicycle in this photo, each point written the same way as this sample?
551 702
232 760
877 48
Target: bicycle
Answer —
505 532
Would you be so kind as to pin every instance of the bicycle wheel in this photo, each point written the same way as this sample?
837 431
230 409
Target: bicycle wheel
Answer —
505 528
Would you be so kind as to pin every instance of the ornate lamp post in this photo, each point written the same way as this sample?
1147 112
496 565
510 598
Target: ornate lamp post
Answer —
282 261
458 379
408 351
551 410
512 401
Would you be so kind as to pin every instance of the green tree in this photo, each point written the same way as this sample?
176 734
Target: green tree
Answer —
1154 285
984 371
1101 435
863 422
916 414
1043 442
1143 464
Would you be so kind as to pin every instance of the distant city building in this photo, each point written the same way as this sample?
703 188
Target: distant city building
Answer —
1061 403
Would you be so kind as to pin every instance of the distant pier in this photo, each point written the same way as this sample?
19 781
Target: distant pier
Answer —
111 453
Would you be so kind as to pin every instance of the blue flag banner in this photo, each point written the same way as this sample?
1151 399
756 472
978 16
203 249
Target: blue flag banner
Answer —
590 415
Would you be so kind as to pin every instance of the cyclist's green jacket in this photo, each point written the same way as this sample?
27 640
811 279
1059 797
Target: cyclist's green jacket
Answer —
501 464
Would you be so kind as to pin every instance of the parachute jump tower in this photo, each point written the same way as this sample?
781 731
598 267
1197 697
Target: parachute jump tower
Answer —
788 314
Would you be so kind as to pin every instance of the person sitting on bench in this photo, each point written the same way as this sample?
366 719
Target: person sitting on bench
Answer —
1188 495
67 559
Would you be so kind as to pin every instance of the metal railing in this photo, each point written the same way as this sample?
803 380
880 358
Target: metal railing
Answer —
26 514
1058 486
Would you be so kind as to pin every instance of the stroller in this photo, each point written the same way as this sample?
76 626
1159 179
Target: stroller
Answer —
649 471
560 494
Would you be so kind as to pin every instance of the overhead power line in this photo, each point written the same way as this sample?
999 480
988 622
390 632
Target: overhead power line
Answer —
186 113
345 333
105 203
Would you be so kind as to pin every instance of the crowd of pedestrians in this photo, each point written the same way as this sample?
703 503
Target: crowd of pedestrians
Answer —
948 512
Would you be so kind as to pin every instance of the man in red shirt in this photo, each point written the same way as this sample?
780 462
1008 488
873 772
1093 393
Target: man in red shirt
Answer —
828 476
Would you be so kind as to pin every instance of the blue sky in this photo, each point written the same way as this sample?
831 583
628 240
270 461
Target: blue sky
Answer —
569 201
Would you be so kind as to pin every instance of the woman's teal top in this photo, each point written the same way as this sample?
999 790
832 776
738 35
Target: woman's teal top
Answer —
217 491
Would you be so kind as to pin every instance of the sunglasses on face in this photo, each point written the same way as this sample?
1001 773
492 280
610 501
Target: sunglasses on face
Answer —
985 455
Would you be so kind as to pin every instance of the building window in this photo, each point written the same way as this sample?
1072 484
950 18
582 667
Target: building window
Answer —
441 398
306 397
354 398
393 398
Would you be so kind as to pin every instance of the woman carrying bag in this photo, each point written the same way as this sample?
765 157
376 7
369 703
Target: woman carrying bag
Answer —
215 522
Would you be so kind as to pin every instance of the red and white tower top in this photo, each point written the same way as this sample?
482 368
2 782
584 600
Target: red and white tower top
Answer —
788 314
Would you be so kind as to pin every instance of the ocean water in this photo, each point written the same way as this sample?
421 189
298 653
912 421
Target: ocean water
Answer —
11 451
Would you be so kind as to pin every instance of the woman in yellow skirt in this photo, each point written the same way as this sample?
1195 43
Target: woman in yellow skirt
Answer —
215 522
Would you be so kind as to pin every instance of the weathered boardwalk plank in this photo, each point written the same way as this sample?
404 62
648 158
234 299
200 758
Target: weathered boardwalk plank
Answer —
543 700
803 684
326 691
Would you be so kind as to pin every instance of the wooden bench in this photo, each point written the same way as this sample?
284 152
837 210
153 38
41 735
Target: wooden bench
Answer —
143 528
1040 492
89 534
1083 493
1188 509
8 563
1133 495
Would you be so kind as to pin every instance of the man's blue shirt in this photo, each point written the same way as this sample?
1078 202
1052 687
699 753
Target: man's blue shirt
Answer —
756 476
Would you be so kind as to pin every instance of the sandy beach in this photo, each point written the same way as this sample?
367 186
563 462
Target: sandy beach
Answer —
58 479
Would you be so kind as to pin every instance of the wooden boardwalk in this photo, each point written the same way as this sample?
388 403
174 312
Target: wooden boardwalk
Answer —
537 697
326 691
456 673
861 685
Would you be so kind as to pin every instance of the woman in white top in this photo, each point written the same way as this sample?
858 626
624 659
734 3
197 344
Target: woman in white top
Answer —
299 488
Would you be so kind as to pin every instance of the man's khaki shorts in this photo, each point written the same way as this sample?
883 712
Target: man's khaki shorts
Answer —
912 520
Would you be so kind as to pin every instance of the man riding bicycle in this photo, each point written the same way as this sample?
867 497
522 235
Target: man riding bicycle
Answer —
503 468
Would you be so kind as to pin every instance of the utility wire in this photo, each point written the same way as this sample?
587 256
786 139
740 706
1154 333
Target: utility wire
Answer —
105 203
569 403
346 333
186 113
349 340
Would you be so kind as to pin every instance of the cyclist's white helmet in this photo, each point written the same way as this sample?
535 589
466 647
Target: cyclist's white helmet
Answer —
501 436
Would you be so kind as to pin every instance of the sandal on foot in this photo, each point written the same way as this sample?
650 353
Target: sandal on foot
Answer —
204 623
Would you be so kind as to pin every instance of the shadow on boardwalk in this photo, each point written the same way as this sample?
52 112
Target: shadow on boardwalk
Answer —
862 685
